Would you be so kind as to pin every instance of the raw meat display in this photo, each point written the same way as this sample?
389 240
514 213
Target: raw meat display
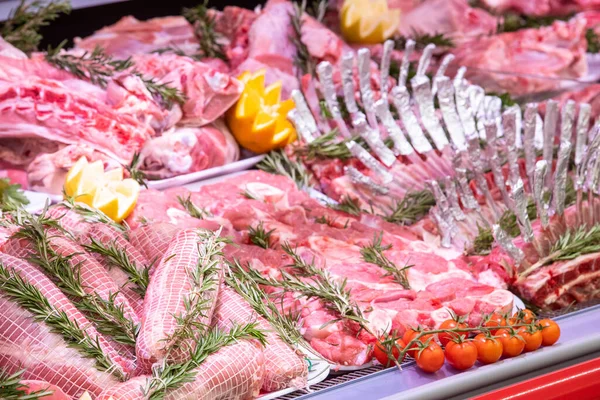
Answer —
405 190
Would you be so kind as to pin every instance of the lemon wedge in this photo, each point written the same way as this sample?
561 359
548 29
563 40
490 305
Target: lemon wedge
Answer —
368 21
259 119
106 191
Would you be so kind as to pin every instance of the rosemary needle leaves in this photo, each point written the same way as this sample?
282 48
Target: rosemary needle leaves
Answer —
98 67
422 40
192 209
205 283
373 254
204 30
117 257
109 317
31 298
347 205
22 27
277 162
259 236
482 244
286 325
11 388
168 377
414 206
303 60
11 196
135 172
90 214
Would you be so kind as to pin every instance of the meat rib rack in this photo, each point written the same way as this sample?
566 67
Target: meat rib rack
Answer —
579 341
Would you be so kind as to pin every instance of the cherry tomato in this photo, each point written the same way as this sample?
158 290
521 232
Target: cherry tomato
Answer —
512 345
445 337
532 337
489 349
461 355
381 355
430 358
409 335
494 319
550 332
525 316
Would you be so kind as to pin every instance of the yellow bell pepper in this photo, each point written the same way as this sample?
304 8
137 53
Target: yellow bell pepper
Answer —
258 120
368 21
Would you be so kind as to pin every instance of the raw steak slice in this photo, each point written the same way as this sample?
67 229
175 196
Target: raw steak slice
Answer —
234 373
170 289
44 355
283 367
45 108
94 278
130 36
185 150
209 93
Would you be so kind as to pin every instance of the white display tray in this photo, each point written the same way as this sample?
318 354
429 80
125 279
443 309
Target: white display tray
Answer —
38 200
181 180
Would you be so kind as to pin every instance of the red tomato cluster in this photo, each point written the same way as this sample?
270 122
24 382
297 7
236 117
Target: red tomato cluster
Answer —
512 338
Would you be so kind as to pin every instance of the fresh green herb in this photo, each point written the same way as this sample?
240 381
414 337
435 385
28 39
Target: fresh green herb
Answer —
505 97
422 40
325 113
482 244
570 245
11 196
164 93
508 220
330 145
317 9
277 162
259 236
204 28
172 49
11 388
97 66
90 214
286 325
192 323
512 22
413 207
116 256
109 317
593 41
22 29
373 254
303 60
135 172
325 220
247 194
31 299
166 377
193 209
348 205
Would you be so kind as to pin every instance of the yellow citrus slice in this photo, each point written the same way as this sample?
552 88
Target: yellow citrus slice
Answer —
368 21
74 176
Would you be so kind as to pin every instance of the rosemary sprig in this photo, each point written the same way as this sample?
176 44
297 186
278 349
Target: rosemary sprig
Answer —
593 41
249 195
317 9
97 66
303 60
277 162
11 196
482 244
512 22
286 325
24 22
505 97
422 40
259 236
570 245
334 294
414 206
135 172
330 145
348 205
109 317
205 281
193 209
167 377
373 254
508 220
204 29
11 388
117 257
162 92
90 214
31 299
178 51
